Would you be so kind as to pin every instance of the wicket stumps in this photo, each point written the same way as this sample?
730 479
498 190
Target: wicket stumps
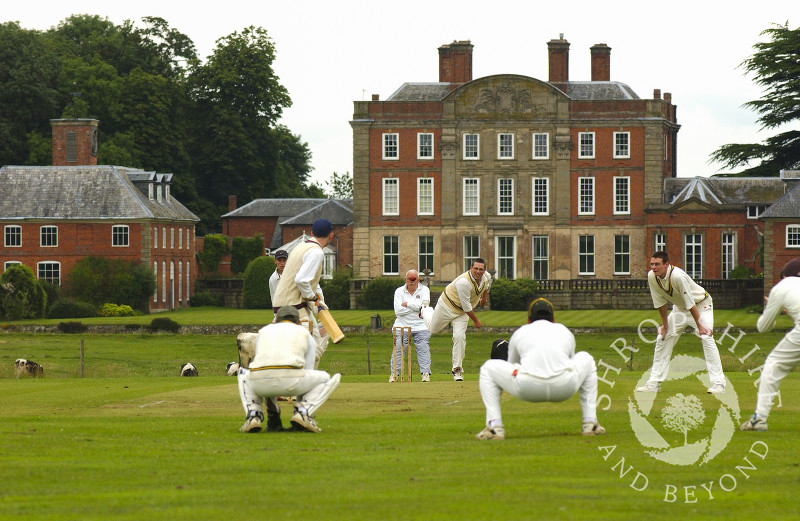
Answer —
397 346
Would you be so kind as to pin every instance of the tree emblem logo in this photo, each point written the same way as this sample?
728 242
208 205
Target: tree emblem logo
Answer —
684 414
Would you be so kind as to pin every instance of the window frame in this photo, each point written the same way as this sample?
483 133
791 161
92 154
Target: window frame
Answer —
534 203
534 146
40 266
622 254
465 181
421 181
690 265
468 147
7 264
627 200
627 145
468 259
390 181
392 256
508 198
387 147
540 258
659 238
48 231
754 211
727 249
582 197
590 143
420 146
117 233
501 260
15 231
792 235
505 151
430 255
586 257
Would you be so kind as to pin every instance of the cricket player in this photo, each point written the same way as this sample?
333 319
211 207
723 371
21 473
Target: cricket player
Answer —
299 284
409 299
456 306
691 306
542 366
283 352
280 264
784 295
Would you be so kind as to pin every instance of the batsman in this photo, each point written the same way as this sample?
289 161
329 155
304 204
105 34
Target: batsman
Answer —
299 284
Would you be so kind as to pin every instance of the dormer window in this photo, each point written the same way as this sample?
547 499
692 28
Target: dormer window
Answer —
158 193
755 211
150 191
166 193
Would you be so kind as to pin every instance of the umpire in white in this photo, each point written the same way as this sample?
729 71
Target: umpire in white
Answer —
283 351
542 366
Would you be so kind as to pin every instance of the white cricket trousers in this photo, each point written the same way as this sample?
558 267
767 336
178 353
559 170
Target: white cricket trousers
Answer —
308 320
497 376
436 319
309 386
677 320
779 362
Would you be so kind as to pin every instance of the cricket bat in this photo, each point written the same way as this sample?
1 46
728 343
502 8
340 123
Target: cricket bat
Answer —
330 325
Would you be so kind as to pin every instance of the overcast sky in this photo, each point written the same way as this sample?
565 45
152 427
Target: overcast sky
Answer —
333 52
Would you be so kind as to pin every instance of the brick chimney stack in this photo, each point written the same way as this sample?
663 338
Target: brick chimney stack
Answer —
558 54
231 203
455 62
74 141
601 62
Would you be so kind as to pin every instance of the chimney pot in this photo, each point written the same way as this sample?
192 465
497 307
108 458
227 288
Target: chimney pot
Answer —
376 97
656 93
668 97
601 62
455 62
558 60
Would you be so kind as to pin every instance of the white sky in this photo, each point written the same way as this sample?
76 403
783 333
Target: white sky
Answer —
333 52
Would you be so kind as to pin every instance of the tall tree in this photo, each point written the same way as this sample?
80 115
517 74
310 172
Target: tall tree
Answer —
29 96
776 66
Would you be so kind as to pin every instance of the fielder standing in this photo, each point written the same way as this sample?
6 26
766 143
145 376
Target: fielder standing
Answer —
299 284
456 306
542 366
280 264
784 295
691 306
283 352
409 299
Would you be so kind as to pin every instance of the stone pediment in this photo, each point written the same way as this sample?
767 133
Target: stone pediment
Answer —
506 97
692 205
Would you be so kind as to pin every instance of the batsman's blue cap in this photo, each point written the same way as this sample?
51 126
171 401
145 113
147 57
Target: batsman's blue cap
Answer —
321 228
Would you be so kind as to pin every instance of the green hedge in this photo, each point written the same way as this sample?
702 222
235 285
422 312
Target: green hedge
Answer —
255 283
21 295
379 293
512 295
244 250
337 289
71 308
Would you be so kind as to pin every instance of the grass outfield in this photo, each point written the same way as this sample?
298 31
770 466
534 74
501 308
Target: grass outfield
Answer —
134 441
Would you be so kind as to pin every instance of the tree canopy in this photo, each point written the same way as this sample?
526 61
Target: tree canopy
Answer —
776 66
214 124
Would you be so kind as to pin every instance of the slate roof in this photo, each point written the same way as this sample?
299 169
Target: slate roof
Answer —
577 90
296 212
787 206
718 191
84 192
